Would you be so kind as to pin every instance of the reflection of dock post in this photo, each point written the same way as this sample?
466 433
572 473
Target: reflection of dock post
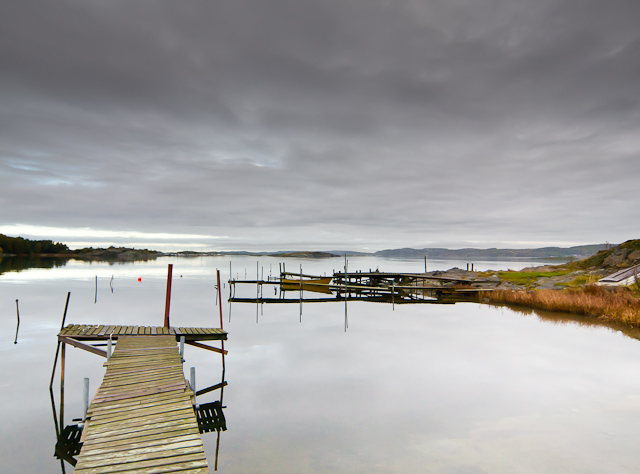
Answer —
393 294
63 350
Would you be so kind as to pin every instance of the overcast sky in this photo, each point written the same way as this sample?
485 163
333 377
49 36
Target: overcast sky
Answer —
320 124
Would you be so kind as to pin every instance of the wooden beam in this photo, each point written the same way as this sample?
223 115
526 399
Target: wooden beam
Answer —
204 346
211 389
81 345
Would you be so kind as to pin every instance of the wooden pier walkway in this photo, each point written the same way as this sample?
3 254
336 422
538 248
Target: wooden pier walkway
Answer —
141 418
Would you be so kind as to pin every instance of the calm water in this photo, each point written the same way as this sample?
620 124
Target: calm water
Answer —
458 388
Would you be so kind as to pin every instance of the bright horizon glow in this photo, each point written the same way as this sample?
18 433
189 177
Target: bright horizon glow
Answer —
48 232
82 237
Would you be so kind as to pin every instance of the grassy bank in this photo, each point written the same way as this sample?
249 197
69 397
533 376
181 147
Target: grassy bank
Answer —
611 304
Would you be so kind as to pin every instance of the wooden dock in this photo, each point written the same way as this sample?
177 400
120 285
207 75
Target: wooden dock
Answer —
102 331
141 418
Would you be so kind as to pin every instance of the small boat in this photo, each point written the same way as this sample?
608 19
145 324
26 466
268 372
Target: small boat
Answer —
306 281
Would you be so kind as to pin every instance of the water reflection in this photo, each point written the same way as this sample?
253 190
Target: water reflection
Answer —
473 388
18 264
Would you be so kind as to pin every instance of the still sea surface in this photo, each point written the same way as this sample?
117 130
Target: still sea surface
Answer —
464 388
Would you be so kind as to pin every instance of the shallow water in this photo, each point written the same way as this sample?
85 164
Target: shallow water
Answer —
462 388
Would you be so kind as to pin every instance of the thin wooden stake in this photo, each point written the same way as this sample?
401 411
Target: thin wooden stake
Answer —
18 326
220 308
96 292
55 360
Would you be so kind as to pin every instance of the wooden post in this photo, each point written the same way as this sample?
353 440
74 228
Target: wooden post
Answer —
300 292
220 307
109 347
18 326
168 299
55 360
425 264
346 318
96 292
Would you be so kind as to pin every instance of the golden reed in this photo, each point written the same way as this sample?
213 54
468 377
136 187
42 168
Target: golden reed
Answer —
608 303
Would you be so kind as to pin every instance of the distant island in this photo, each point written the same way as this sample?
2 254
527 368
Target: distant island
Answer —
19 246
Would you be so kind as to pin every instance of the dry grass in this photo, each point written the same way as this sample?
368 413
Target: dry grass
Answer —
611 304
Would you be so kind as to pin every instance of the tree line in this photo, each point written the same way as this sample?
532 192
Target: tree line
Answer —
22 246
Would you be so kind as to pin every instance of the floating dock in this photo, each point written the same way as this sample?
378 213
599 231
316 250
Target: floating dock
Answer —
142 417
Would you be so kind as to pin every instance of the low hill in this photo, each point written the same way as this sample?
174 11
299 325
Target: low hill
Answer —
621 256
576 252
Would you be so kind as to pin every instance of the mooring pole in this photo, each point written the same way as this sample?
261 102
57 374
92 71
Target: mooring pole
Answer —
18 326
346 317
425 264
220 308
55 360
300 292
168 299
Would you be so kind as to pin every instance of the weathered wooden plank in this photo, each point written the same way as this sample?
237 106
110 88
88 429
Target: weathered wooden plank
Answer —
188 464
136 403
209 348
140 455
141 436
141 419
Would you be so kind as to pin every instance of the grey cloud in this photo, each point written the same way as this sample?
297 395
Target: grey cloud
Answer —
399 122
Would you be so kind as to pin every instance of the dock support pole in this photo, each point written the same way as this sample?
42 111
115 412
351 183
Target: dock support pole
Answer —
85 397
168 299
182 347
109 347
425 264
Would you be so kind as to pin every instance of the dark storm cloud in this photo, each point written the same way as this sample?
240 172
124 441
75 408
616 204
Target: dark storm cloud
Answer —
386 123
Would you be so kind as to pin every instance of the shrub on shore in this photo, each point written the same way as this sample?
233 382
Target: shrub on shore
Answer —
612 304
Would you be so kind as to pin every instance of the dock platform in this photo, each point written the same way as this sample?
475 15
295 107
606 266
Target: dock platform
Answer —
141 418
